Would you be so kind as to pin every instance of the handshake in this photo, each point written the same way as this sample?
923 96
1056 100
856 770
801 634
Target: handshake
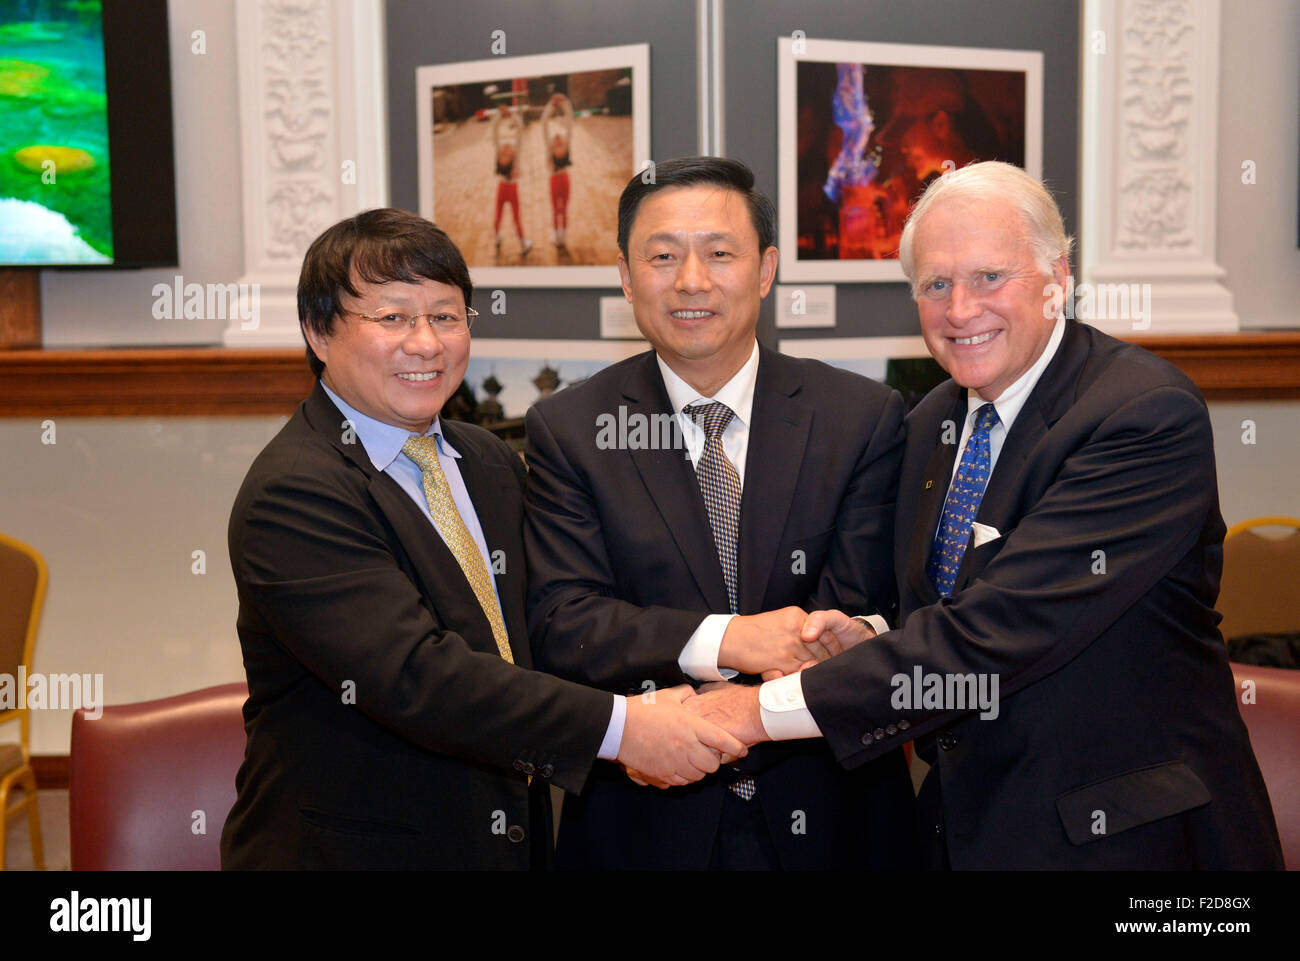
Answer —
675 736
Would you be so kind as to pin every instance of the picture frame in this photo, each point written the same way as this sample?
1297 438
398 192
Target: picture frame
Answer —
866 126
525 184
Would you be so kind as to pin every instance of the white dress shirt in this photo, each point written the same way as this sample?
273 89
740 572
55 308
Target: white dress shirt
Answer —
784 712
699 657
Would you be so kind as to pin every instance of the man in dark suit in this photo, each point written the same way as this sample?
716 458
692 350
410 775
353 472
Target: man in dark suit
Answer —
663 548
392 720
1059 546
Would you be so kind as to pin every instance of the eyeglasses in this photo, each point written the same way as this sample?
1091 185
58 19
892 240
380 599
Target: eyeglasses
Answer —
443 322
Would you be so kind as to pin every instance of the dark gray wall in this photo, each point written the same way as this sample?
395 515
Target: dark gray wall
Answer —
424 32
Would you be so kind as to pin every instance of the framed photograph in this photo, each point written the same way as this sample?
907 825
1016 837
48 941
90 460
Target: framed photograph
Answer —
867 126
902 363
522 160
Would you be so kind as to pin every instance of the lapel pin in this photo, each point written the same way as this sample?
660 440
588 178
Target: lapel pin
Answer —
929 484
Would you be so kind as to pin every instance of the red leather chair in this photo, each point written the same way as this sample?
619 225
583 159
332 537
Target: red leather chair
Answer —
1273 721
138 775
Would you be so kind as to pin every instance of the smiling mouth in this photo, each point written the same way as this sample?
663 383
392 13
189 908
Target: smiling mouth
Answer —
691 314
976 340
420 377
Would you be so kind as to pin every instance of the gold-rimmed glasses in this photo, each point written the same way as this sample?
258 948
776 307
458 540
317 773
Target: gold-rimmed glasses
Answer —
443 322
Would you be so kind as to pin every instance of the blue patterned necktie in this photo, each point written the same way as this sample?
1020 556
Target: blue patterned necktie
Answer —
963 503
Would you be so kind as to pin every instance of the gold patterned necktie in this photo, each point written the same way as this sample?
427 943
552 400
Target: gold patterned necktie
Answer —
442 508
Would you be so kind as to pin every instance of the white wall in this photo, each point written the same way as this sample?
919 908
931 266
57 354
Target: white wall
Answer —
1259 120
118 506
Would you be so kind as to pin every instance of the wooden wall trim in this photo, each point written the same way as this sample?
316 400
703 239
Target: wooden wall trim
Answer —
207 382
224 382
1235 366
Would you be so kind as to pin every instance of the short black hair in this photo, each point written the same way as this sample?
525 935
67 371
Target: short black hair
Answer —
693 172
379 246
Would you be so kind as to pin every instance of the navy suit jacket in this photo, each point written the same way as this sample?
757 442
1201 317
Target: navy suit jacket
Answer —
1118 743
623 568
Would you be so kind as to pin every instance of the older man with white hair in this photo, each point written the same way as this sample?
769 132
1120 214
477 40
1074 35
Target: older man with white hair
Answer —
1058 551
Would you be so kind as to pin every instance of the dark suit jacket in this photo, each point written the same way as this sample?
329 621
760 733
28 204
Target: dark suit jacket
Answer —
384 729
1118 743
623 568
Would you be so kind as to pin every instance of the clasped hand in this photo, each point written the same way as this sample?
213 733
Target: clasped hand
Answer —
675 737
776 643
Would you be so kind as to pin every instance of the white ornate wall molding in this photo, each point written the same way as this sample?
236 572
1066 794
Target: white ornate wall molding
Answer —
1149 126
314 143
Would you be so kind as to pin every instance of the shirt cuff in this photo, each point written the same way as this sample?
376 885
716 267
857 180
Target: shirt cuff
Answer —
782 709
613 742
875 622
699 658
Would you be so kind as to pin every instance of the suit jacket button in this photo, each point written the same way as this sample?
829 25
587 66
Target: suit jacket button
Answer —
891 730
868 739
947 740
518 765
515 833
878 734
546 770
528 769
904 724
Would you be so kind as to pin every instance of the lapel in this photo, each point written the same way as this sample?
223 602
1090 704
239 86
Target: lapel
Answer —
670 482
778 434
440 578
933 485
1001 506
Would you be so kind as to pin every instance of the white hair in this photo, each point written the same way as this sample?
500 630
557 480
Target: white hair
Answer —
994 180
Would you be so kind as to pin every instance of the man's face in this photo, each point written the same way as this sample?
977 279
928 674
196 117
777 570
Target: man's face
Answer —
400 378
984 314
695 276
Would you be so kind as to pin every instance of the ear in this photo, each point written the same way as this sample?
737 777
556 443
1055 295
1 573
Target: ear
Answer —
1061 271
767 270
625 277
320 346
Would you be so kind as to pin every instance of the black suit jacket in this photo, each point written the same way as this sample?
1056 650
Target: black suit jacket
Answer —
623 568
384 729
1118 743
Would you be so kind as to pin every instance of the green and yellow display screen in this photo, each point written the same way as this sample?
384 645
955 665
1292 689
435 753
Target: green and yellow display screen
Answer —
55 202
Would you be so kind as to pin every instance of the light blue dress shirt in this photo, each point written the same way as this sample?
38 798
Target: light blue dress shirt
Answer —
383 445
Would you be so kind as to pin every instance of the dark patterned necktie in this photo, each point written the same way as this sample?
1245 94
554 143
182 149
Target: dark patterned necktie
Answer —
963 503
720 485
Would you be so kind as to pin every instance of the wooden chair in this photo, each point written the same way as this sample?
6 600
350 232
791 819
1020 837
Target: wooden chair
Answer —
23 576
1260 573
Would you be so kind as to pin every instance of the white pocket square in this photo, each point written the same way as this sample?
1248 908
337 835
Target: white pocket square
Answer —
982 534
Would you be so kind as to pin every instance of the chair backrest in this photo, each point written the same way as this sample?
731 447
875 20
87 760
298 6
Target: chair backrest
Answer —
1256 595
1273 721
150 784
23 576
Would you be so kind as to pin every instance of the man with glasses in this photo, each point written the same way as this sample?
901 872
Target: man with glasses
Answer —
393 721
